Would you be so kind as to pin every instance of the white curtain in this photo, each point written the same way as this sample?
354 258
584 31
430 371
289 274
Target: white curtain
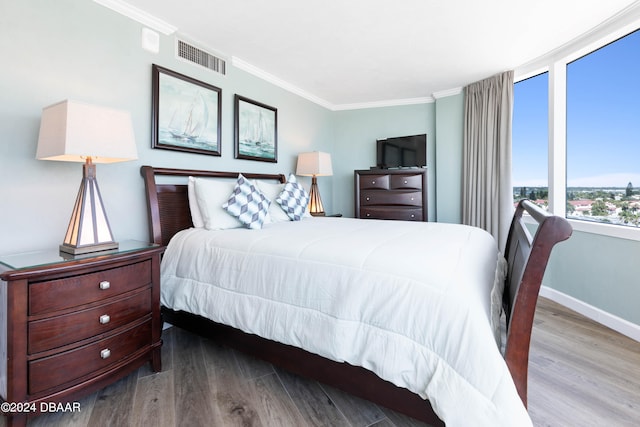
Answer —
487 194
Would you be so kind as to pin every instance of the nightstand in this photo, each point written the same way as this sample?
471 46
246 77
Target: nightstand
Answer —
70 326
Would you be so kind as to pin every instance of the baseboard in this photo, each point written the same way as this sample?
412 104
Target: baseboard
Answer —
607 319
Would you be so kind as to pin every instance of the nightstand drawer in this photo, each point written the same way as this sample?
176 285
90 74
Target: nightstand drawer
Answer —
410 198
71 366
406 181
73 291
374 181
57 331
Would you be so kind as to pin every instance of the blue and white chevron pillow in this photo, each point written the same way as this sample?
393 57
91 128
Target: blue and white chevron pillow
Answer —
293 199
247 204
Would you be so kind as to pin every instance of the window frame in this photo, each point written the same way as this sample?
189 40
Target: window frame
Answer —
555 63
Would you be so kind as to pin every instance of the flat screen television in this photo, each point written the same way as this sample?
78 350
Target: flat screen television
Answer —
402 152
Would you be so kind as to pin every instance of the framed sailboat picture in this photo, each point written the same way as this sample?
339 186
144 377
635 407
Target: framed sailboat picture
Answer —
256 130
186 113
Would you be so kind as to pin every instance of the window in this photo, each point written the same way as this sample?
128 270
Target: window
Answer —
593 131
603 134
530 139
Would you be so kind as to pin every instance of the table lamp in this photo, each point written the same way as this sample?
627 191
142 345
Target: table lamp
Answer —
314 164
73 131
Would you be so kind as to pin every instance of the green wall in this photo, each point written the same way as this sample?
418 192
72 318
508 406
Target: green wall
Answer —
355 145
449 135
599 270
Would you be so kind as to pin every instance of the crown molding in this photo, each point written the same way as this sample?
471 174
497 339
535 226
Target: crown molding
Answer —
138 15
258 72
448 92
382 104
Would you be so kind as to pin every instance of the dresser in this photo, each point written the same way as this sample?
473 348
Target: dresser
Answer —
69 327
399 194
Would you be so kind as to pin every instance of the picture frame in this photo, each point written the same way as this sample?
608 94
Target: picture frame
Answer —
186 113
255 130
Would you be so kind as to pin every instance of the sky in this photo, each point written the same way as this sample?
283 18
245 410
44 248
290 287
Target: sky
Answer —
603 120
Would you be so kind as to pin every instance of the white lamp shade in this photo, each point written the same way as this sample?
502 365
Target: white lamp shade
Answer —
72 131
315 163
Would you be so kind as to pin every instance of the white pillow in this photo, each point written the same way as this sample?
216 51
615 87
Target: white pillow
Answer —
211 194
196 216
271 192
293 199
247 204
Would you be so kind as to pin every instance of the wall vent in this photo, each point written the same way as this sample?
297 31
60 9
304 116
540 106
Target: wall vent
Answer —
198 56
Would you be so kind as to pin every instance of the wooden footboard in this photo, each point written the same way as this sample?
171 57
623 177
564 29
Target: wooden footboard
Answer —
527 258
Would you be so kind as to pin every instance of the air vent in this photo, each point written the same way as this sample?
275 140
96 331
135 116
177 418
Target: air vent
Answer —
198 56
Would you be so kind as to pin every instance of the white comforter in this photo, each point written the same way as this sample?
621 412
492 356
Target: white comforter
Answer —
409 301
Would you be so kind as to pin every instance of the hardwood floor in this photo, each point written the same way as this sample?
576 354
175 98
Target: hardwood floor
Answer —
580 374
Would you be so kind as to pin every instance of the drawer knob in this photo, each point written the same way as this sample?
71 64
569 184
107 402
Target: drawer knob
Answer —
405 181
413 215
412 199
104 319
368 199
105 353
105 285
368 214
373 182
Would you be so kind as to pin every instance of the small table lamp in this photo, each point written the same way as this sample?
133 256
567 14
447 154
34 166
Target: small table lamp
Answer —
314 164
77 132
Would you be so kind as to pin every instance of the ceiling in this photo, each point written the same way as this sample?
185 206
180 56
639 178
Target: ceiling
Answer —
343 53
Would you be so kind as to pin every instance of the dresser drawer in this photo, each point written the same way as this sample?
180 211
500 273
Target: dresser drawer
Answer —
402 198
413 182
63 368
73 291
57 331
391 212
374 181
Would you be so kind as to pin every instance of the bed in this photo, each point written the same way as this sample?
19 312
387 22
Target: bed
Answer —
405 314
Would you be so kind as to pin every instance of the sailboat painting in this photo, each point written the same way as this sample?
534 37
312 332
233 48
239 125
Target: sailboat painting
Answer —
256 130
186 113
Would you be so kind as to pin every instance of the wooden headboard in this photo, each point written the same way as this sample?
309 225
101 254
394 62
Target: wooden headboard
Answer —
168 204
